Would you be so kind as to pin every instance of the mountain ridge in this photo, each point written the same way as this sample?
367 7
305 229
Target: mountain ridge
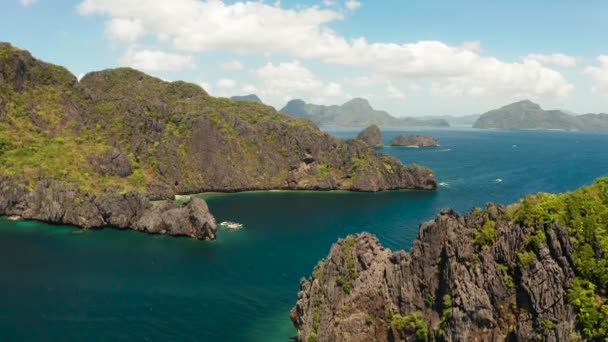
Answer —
526 114
356 112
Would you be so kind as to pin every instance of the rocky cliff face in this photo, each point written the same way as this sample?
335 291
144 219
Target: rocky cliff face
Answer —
492 275
60 203
372 136
414 140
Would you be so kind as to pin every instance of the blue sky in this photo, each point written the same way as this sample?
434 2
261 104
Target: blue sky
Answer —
411 58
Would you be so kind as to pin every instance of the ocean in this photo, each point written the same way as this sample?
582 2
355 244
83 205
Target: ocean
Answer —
60 283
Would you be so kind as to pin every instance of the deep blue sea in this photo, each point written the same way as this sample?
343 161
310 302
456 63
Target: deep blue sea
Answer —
60 283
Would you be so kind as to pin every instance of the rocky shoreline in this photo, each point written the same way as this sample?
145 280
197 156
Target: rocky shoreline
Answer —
54 202
479 277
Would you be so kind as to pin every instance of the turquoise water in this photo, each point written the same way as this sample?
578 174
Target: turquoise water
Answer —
62 283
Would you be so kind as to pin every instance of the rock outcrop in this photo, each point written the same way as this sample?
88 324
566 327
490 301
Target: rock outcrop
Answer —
499 274
372 135
414 141
60 203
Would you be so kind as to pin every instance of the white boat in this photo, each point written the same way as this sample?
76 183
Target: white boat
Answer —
231 225
498 180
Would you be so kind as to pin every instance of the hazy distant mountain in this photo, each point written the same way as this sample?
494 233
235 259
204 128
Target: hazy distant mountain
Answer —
250 97
354 113
457 121
529 115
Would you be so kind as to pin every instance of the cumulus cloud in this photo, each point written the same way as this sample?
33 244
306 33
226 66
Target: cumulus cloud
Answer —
156 60
233 65
304 33
558 59
352 4
394 92
26 3
124 30
226 83
599 75
287 77
285 81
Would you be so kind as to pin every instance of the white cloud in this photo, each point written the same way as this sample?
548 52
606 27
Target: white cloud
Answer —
394 92
233 65
226 83
205 86
304 33
352 4
558 59
491 77
281 82
334 89
250 89
156 60
26 3
599 75
124 30
287 77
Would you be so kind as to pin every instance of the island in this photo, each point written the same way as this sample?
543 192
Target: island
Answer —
414 141
113 150
536 268
250 97
529 115
372 135
355 113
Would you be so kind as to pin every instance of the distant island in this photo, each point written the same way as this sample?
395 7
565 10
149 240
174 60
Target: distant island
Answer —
529 115
355 113
456 121
414 141
250 97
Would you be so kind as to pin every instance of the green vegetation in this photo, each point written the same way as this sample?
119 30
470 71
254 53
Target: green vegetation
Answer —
53 127
504 269
412 322
316 321
446 313
584 213
525 258
346 252
487 233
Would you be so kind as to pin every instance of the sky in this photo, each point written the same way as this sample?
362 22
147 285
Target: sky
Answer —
411 58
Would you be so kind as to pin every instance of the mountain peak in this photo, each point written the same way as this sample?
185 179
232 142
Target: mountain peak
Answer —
357 101
250 97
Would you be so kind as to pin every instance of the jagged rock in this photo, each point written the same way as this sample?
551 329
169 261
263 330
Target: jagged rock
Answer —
114 163
57 203
372 136
461 290
414 140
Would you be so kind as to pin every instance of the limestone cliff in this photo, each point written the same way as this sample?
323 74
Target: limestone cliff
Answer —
534 271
